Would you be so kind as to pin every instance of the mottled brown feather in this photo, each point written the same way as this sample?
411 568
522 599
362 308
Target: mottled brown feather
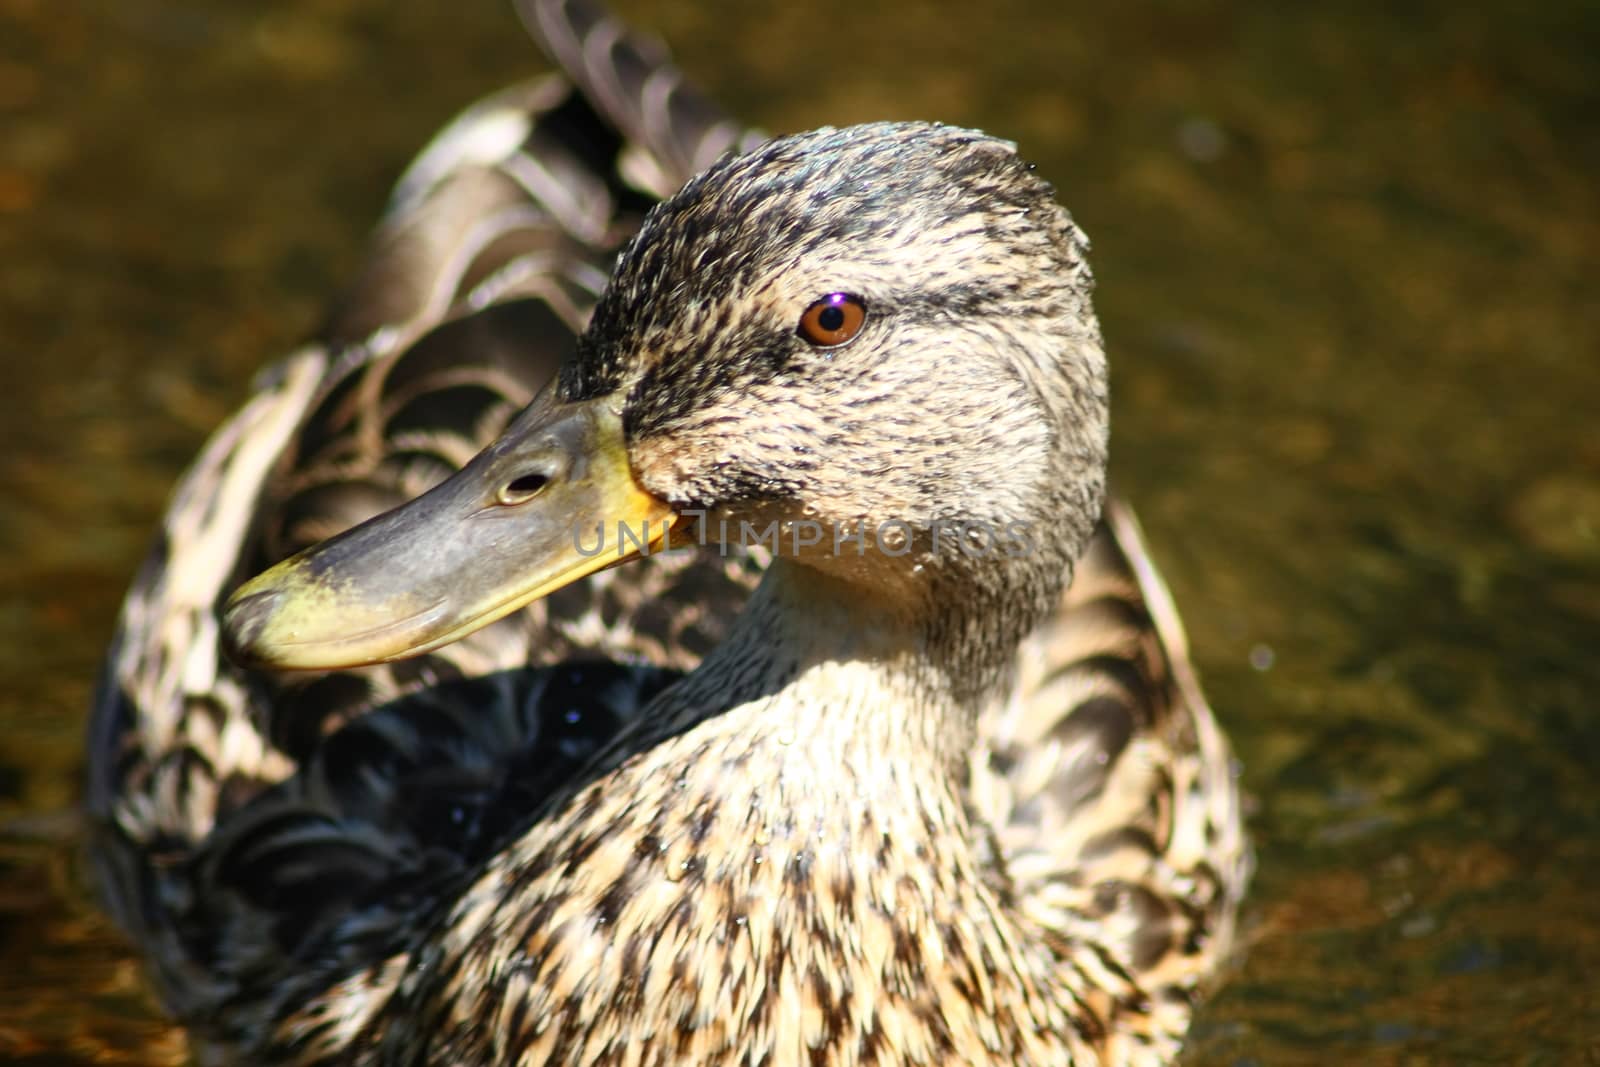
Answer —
352 867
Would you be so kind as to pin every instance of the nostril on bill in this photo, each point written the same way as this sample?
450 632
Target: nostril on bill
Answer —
521 490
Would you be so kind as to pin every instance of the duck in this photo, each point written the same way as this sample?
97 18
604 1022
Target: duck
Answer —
672 612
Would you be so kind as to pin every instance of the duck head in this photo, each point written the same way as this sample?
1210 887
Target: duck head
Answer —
879 338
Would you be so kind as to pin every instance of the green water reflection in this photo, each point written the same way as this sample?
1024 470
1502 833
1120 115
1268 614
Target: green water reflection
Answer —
1346 261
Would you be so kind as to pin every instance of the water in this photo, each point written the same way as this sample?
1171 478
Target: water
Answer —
1346 264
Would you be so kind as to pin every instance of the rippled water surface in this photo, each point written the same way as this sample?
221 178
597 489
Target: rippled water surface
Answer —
1347 267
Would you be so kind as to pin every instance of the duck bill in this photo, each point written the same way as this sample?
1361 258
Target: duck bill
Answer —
552 500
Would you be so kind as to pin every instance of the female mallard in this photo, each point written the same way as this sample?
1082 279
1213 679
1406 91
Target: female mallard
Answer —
920 801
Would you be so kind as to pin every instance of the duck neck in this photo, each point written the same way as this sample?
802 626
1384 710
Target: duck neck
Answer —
899 669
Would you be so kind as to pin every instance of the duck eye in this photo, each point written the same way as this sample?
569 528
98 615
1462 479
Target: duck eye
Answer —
834 320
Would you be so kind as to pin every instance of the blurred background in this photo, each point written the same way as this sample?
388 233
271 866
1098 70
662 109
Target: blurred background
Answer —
1347 258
